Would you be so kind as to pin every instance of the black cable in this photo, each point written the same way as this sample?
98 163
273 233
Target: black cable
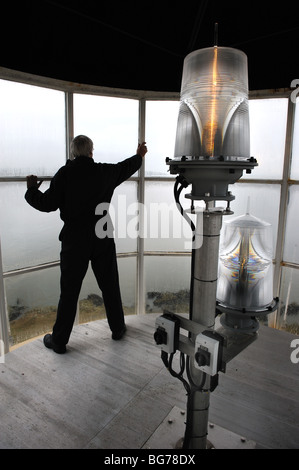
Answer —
191 285
164 357
177 192
178 375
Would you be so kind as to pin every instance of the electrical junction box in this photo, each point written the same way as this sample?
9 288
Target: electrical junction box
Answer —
208 352
167 332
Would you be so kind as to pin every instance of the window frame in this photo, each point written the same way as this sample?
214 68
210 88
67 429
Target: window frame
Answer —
69 90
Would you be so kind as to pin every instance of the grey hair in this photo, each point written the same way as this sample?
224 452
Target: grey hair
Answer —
81 146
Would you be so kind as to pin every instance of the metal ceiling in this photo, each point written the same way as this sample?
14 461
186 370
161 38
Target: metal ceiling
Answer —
142 44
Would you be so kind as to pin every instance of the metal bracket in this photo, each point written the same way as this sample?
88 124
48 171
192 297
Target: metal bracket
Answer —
232 341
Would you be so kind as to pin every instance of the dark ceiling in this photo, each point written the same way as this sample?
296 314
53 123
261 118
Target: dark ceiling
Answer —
142 44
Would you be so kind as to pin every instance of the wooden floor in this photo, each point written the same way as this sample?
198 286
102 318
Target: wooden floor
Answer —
105 394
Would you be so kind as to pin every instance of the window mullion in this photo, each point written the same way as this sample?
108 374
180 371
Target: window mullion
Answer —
284 196
140 240
4 326
69 121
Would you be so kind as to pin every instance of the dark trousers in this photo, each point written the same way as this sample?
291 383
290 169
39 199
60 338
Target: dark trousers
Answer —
74 260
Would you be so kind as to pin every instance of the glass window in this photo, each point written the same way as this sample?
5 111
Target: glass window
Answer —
167 283
91 306
160 131
288 313
111 123
291 243
32 300
262 200
32 123
268 118
127 268
295 153
28 237
166 229
124 213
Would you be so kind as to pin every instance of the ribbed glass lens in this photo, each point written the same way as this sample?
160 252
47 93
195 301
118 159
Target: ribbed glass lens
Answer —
213 118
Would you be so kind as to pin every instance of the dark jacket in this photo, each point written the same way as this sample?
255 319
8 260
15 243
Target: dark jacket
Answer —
79 186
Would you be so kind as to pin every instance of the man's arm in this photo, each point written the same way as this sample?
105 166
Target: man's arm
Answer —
48 201
128 167
141 149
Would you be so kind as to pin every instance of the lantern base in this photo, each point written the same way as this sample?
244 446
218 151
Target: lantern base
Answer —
211 176
243 320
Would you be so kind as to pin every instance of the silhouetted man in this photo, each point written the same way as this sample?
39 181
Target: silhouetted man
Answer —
76 190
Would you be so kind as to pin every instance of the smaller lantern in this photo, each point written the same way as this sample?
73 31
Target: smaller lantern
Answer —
245 281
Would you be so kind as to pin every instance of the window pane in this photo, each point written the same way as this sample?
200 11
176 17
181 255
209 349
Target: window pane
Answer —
111 123
161 124
268 118
288 313
32 299
127 268
28 237
295 153
166 229
263 203
91 306
123 211
291 244
32 303
167 280
32 123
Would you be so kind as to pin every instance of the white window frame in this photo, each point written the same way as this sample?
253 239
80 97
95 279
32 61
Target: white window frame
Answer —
143 96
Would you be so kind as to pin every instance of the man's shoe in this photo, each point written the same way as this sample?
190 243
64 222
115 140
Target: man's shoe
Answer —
50 345
119 334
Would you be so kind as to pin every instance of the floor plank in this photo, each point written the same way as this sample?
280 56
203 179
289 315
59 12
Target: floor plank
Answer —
114 394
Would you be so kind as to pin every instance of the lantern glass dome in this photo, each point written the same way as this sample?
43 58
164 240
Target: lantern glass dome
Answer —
245 278
213 118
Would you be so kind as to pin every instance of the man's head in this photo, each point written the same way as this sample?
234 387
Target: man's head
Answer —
81 146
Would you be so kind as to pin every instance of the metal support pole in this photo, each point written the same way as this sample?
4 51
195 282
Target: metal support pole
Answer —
205 272
205 269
